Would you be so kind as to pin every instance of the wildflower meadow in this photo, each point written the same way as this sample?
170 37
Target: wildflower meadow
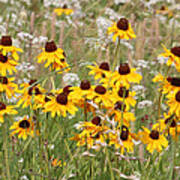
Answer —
90 89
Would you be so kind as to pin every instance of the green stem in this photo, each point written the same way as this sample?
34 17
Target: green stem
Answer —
116 56
52 82
85 110
6 151
109 163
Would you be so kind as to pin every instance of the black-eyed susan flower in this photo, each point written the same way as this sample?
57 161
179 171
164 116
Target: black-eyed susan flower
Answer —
124 95
50 54
165 11
122 30
101 72
61 67
63 10
92 133
6 110
100 95
168 84
125 75
57 162
60 105
122 139
83 91
7 65
45 98
121 112
31 96
174 103
6 47
154 139
7 86
24 128
173 56
169 125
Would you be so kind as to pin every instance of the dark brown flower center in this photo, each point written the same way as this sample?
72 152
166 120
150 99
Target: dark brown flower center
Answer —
119 106
104 66
6 41
124 133
67 89
24 124
50 46
173 122
154 134
178 96
85 85
62 99
3 80
2 106
174 81
123 92
163 8
96 120
65 6
64 54
124 69
32 81
62 60
3 59
47 99
100 89
123 24
34 90
176 51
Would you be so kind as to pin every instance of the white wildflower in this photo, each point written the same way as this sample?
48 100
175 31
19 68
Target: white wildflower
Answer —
24 178
71 78
144 104
142 63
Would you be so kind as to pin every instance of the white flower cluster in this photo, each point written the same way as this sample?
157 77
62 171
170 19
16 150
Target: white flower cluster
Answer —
112 14
121 1
141 63
25 66
103 24
71 78
144 104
